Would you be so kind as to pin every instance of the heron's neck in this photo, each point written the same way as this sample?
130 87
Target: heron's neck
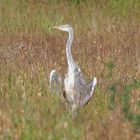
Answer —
71 63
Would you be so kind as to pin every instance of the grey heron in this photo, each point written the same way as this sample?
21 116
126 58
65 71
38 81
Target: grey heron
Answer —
76 92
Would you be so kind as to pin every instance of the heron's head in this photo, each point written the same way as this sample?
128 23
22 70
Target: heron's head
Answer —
65 28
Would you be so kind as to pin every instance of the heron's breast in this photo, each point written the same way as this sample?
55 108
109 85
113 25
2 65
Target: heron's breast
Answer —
69 88
69 84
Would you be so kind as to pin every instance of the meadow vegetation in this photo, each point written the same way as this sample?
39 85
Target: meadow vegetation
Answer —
106 45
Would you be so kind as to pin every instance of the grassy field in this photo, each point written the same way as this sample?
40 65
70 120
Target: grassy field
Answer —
106 45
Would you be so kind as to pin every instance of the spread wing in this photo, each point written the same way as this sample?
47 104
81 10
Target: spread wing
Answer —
87 91
55 83
83 90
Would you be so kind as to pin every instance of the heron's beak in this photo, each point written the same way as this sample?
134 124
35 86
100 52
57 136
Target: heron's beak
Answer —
56 27
60 28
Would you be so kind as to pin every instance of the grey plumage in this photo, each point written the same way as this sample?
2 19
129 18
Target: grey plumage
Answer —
55 83
76 92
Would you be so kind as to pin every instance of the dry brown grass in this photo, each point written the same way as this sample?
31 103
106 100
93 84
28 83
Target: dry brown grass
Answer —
108 50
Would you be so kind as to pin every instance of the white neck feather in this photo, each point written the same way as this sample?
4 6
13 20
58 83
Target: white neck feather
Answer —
70 60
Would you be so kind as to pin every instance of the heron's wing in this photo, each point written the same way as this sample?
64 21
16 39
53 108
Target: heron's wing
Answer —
55 82
87 91
78 76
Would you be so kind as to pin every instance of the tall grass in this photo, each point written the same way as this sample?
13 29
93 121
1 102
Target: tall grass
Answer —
106 45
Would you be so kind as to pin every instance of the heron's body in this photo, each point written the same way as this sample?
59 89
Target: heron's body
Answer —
77 92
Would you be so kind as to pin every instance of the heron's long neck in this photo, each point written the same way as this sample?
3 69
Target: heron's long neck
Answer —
71 63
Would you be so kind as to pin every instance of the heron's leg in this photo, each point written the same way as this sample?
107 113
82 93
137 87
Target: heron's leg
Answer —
72 108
